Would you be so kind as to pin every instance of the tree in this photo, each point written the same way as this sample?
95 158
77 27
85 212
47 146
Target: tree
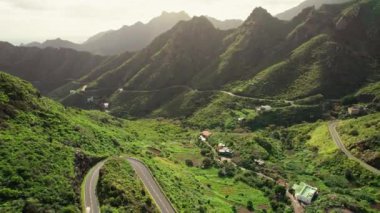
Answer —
349 176
189 163
206 163
148 202
205 152
202 209
349 100
250 206
32 205
280 192
354 132
228 170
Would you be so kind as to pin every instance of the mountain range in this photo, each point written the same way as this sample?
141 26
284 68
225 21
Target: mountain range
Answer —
331 51
292 12
130 38
217 120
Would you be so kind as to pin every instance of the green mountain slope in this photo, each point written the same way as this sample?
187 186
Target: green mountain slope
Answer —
172 59
48 68
318 66
332 51
46 149
333 64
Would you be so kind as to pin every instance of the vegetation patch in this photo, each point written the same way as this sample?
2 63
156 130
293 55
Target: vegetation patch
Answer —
120 189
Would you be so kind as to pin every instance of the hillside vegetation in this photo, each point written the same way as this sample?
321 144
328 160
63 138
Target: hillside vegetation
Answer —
47 149
121 190
331 51
47 69
265 91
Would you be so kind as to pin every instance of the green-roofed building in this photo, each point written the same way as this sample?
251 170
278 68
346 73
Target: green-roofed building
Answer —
304 192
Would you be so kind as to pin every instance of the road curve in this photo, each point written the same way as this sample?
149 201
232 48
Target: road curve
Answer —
338 141
91 203
152 186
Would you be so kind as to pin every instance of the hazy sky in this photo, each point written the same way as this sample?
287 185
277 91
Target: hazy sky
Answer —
76 20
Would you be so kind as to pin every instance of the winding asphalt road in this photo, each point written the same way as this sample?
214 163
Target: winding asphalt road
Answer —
338 141
152 186
91 201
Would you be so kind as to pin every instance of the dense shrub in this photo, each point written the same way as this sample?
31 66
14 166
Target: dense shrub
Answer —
189 163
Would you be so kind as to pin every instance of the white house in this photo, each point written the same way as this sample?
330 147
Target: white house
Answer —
259 162
106 105
355 110
202 138
224 150
83 89
304 192
264 108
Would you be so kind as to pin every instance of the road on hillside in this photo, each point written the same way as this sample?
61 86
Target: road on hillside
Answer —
198 90
152 186
338 141
91 200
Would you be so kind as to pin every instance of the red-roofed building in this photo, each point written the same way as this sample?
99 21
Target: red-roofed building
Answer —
206 134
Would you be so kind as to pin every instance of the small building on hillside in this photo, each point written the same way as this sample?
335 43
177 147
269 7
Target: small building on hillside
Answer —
223 150
304 192
206 134
354 110
259 162
106 105
120 90
83 89
224 159
202 138
263 108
